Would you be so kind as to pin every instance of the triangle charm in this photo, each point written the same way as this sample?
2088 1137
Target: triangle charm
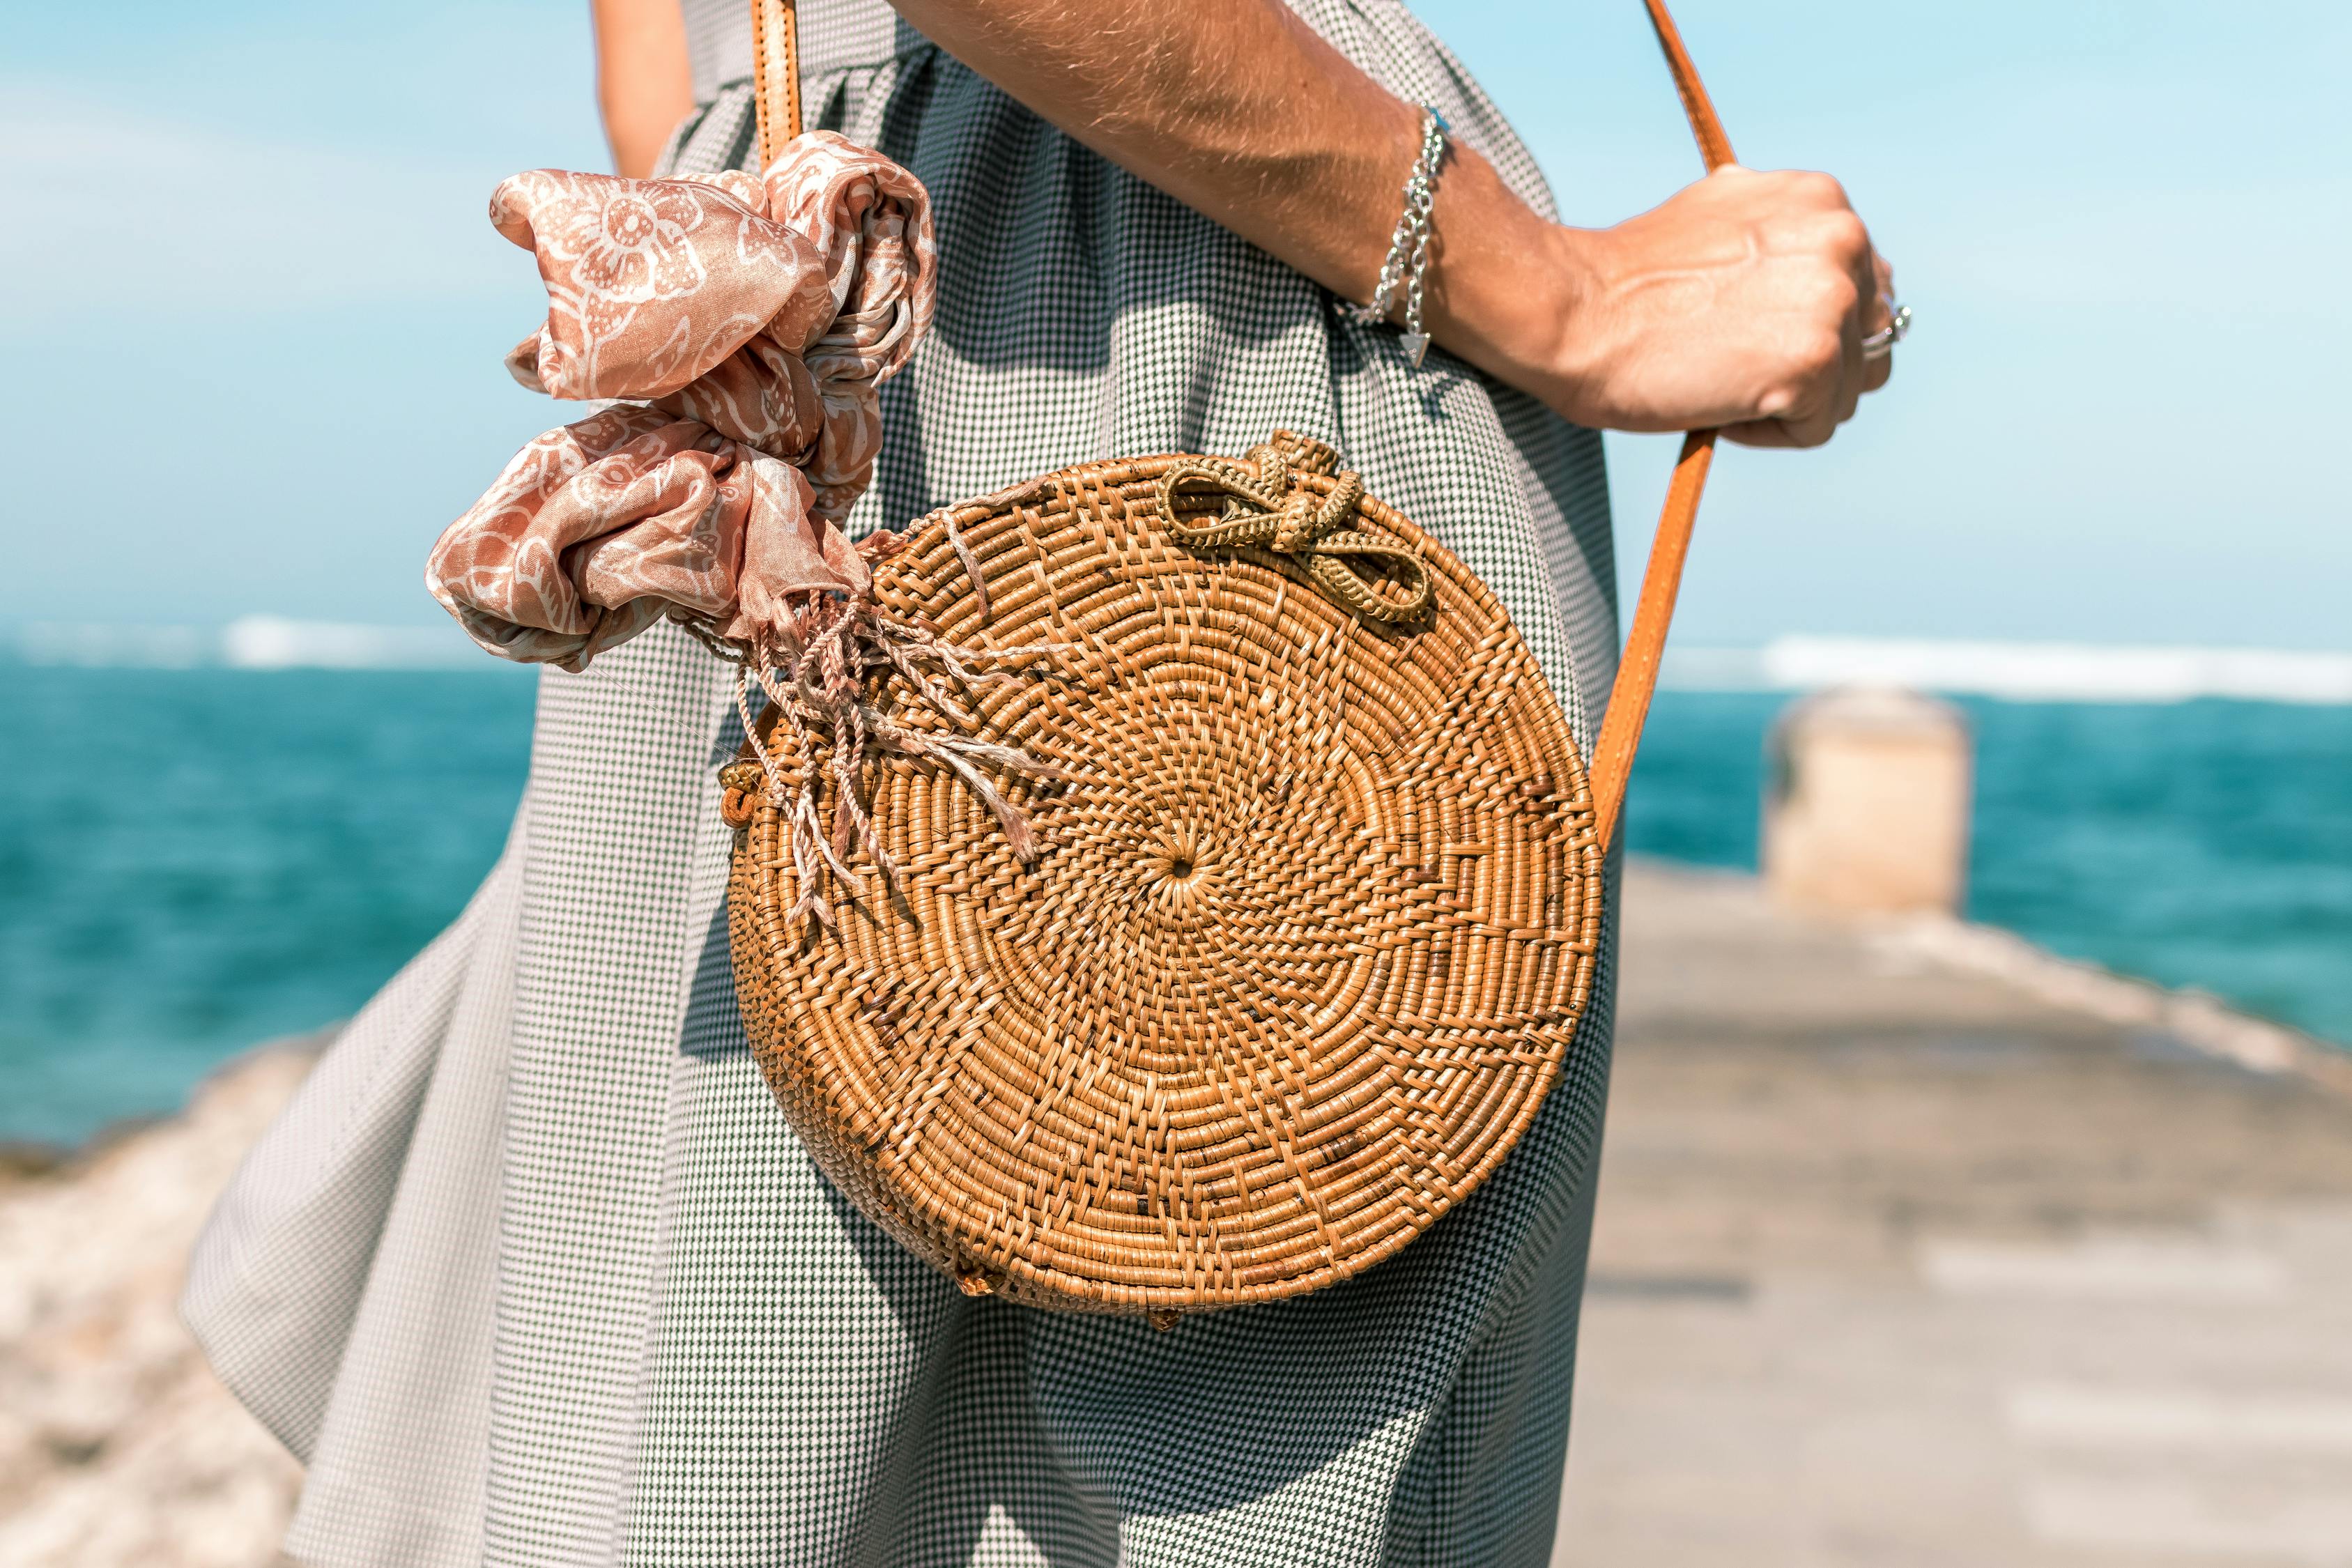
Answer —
1416 348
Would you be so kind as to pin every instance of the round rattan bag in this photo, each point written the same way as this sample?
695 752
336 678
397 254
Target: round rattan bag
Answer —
1301 942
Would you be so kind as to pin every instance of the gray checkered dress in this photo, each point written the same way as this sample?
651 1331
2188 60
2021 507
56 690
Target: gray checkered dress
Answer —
531 1271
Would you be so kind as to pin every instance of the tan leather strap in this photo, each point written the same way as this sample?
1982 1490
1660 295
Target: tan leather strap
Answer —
1714 146
776 94
1645 644
775 74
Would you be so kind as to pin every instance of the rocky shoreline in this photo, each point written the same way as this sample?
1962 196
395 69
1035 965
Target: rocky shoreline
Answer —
117 1445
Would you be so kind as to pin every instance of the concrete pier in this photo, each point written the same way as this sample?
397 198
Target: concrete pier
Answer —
1866 802
1913 1248
1898 1261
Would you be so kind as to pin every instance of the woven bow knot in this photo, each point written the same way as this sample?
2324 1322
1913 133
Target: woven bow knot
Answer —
1271 509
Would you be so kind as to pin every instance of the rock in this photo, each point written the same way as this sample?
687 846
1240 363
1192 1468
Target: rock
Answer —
116 1445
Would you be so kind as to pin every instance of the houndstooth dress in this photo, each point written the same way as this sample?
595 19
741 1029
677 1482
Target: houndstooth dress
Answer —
531 1271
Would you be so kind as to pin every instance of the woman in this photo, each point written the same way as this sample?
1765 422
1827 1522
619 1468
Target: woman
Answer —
532 1271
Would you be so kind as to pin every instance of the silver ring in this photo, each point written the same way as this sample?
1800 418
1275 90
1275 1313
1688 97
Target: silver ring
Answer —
1880 343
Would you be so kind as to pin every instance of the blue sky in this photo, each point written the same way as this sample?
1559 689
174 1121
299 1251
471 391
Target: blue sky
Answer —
246 244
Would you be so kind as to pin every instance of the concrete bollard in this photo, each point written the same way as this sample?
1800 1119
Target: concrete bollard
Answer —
1866 802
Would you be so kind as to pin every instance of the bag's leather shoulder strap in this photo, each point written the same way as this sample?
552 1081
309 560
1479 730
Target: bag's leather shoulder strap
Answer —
1646 643
776 95
775 74
1714 146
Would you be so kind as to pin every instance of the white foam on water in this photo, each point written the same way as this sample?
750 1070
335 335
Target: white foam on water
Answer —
2048 672
250 642
272 642
2043 672
106 646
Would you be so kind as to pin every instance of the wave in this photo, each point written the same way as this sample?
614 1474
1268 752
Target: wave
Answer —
250 642
2034 672
268 642
2043 672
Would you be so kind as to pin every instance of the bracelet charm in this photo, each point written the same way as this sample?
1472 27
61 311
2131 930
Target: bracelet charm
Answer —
1407 262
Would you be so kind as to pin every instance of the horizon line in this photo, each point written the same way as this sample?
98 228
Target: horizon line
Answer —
2021 670
2024 671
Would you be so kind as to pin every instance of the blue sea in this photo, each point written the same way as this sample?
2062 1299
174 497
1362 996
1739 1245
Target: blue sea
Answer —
196 860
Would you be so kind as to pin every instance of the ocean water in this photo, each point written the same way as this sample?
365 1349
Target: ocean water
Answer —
193 861
2204 844
196 860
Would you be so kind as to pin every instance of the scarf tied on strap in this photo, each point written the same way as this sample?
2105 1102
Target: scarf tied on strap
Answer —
745 324
738 329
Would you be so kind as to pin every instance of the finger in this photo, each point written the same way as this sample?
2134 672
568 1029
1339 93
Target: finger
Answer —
1862 271
1877 311
1821 403
1872 287
1836 388
1853 369
1812 419
1759 433
1881 316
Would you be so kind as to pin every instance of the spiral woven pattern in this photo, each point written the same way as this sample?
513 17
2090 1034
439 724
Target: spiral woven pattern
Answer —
1313 917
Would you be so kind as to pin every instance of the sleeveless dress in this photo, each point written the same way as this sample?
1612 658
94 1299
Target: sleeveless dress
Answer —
531 1271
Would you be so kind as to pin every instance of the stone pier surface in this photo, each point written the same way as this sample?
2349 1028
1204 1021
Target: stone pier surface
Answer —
1913 1247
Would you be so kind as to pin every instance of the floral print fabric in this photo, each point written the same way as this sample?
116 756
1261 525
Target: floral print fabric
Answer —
749 324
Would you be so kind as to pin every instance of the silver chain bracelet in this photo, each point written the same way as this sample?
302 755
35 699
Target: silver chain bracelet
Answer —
1408 259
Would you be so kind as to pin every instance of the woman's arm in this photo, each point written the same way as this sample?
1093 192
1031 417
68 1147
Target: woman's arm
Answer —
644 83
1741 302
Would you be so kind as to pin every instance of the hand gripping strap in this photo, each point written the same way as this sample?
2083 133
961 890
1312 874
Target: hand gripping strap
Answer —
776 92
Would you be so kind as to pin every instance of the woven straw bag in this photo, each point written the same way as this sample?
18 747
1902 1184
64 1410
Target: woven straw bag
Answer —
1312 908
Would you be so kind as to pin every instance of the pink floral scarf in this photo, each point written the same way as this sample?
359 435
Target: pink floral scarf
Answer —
741 327
747 323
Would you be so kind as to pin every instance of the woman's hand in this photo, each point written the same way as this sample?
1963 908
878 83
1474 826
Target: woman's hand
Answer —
1740 304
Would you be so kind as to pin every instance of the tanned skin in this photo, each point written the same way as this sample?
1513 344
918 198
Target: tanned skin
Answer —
644 80
1739 303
